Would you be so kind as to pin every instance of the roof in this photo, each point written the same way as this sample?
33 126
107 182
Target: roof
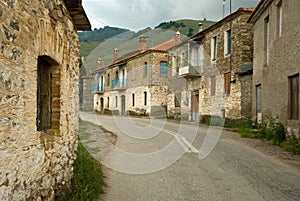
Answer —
78 15
140 53
165 45
261 6
219 23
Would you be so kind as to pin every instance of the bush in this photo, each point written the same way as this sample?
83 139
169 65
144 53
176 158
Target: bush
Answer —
274 131
292 144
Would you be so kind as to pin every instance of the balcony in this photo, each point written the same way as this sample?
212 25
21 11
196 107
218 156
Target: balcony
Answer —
193 68
118 84
97 90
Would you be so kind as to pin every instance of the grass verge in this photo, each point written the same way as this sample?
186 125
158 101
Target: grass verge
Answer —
88 179
273 131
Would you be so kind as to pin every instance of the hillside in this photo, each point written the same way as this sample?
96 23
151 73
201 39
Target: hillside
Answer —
100 34
185 26
127 41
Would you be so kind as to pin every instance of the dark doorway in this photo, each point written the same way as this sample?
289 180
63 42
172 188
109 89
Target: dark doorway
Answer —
123 105
101 104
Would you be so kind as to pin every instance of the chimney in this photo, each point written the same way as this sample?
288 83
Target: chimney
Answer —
200 26
116 54
177 38
99 63
143 43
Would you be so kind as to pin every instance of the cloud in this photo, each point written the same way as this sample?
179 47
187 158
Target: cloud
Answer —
138 14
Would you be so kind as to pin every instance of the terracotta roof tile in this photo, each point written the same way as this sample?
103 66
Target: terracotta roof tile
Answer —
165 45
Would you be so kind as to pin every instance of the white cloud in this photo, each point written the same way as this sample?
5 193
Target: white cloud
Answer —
138 14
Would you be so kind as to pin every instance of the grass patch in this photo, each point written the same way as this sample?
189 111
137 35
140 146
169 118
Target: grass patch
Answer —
88 179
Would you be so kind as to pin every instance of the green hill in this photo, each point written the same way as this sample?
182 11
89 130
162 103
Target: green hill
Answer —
100 34
185 26
101 43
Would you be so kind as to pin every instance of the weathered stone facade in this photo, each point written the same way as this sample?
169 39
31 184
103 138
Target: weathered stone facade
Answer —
39 59
135 84
218 68
87 97
276 61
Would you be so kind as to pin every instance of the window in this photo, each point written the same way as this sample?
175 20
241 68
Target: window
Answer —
145 98
163 68
116 101
266 39
102 83
145 69
227 42
227 78
279 18
213 85
48 94
294 97
214 48
177 100
107 102
133 99
117 75
108 79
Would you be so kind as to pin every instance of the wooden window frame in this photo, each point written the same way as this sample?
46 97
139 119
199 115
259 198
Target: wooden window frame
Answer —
227 82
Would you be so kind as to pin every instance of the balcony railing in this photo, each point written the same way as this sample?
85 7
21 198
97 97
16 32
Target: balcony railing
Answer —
117 84
193 68
97 89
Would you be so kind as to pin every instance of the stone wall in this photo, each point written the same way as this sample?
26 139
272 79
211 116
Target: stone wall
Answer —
136 82
87 98
284 54
37 165
241 53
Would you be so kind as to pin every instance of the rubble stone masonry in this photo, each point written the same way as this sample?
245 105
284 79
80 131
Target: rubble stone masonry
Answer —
237 103
37 143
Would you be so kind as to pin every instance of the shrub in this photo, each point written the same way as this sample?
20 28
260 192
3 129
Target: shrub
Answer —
292 144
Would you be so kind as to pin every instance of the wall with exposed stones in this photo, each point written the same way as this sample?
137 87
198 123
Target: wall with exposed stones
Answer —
37 165
87 97
236 103
136 82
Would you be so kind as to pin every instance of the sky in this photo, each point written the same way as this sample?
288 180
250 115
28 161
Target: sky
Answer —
139 14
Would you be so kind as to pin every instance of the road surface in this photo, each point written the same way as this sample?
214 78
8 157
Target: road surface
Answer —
161 160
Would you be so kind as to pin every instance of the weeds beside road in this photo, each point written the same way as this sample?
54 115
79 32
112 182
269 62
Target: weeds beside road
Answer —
272 131
88 181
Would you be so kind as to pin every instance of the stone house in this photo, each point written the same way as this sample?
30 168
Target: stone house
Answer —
39 59
276 63
217 66
136 83
86 97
